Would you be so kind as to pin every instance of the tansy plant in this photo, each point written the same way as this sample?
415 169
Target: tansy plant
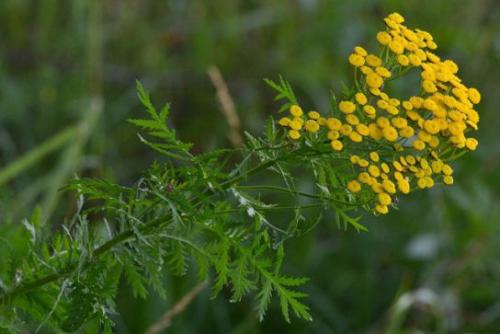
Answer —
207 213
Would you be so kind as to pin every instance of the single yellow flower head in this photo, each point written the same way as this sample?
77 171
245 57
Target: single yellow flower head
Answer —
403 60
296 110
471 143
396 47
354 159
337 145
352 119
374 171
388 185
384 199
312 126
373 61
429 86
374 80
415 60
284 121
448 179
382 209
383 72
360 51
384 38
362 129
354 186
294 134
347 107
363 163
333 134
361 98
404 186
396 17
374 156
369 110
333 123
474 95
422 183
356 60
296 124
345 129
390 133
355 137
419 145
314 115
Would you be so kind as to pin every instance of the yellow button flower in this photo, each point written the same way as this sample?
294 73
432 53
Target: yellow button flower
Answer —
294 134
415 60
419 145
390 133
365 178
369 110
396 47
384 38
354 186
474 95
373 61
448 179
356 60
383 72
296 110
333 123
345 129
382 209
374 156
362 129
404 186
363 163
352 119
389 186
432 127
296 124
374 80
361 98
355 137
384 199
347 107
429 86
284 121
471 143
403 60
360 51
314 115
337 145
374 171
333 134
312 126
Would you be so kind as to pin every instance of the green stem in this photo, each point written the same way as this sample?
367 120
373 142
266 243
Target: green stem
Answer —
294 192
272 208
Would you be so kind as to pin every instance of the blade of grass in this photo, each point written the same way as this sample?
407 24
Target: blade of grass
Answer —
38 153
70 158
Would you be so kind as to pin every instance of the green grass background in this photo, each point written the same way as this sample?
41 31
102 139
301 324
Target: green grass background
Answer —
67 72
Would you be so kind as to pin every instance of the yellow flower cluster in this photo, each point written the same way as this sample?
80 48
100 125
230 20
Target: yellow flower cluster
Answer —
404 139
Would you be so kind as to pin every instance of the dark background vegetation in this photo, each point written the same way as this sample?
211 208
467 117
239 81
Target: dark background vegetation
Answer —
433 265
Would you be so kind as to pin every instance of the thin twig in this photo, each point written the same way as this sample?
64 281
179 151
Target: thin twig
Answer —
227 105
166 320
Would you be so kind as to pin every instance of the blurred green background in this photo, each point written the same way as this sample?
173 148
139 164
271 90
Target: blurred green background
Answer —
68 71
